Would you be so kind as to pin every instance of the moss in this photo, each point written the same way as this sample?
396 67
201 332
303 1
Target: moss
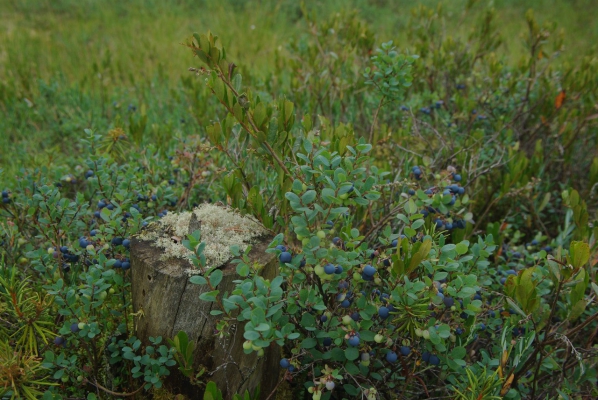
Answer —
163 394
221 227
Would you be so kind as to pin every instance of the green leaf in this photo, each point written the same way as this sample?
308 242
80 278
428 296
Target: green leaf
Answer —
209 296
458 353
215 277
308 197
198 280
308 321
309 343
259 114
410 207
212 392
352 368
290 196
351 390
351 353
421 255
462 247
516 307
579 254
338 355
577 310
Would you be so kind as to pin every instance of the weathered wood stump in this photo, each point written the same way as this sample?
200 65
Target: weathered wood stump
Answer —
170 303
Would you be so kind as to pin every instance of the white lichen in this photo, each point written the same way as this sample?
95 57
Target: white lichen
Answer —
221 227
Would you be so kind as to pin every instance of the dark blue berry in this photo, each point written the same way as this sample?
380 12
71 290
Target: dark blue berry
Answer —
383 312
285 257
391 357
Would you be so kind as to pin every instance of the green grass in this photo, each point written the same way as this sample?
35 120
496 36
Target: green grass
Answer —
65 63
139 39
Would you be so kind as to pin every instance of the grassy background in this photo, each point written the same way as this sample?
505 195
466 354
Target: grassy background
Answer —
66 65
65 38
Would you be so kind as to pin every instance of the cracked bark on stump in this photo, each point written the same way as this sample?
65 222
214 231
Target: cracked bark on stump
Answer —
170 304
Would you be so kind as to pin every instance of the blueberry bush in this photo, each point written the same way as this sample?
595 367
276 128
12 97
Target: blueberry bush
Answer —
433 205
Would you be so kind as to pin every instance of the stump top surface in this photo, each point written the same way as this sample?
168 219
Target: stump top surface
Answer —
221 227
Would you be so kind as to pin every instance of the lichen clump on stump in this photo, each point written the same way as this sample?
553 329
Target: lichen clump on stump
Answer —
221 227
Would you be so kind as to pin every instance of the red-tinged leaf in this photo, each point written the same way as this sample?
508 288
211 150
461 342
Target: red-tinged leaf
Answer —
560 99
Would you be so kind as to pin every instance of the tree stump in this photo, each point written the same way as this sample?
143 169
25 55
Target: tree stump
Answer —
170 303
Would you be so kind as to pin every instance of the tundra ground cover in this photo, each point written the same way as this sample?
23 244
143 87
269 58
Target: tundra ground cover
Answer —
432 190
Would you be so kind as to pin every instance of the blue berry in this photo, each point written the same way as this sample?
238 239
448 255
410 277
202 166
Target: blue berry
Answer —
345 303
284 363
281 248
391 357
74 327
327 342
449 301
126 265
285 257
329 269
368 270
405 350
426 356
366 277
126 243
383 312
434 360
457 178
354 341
117 241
